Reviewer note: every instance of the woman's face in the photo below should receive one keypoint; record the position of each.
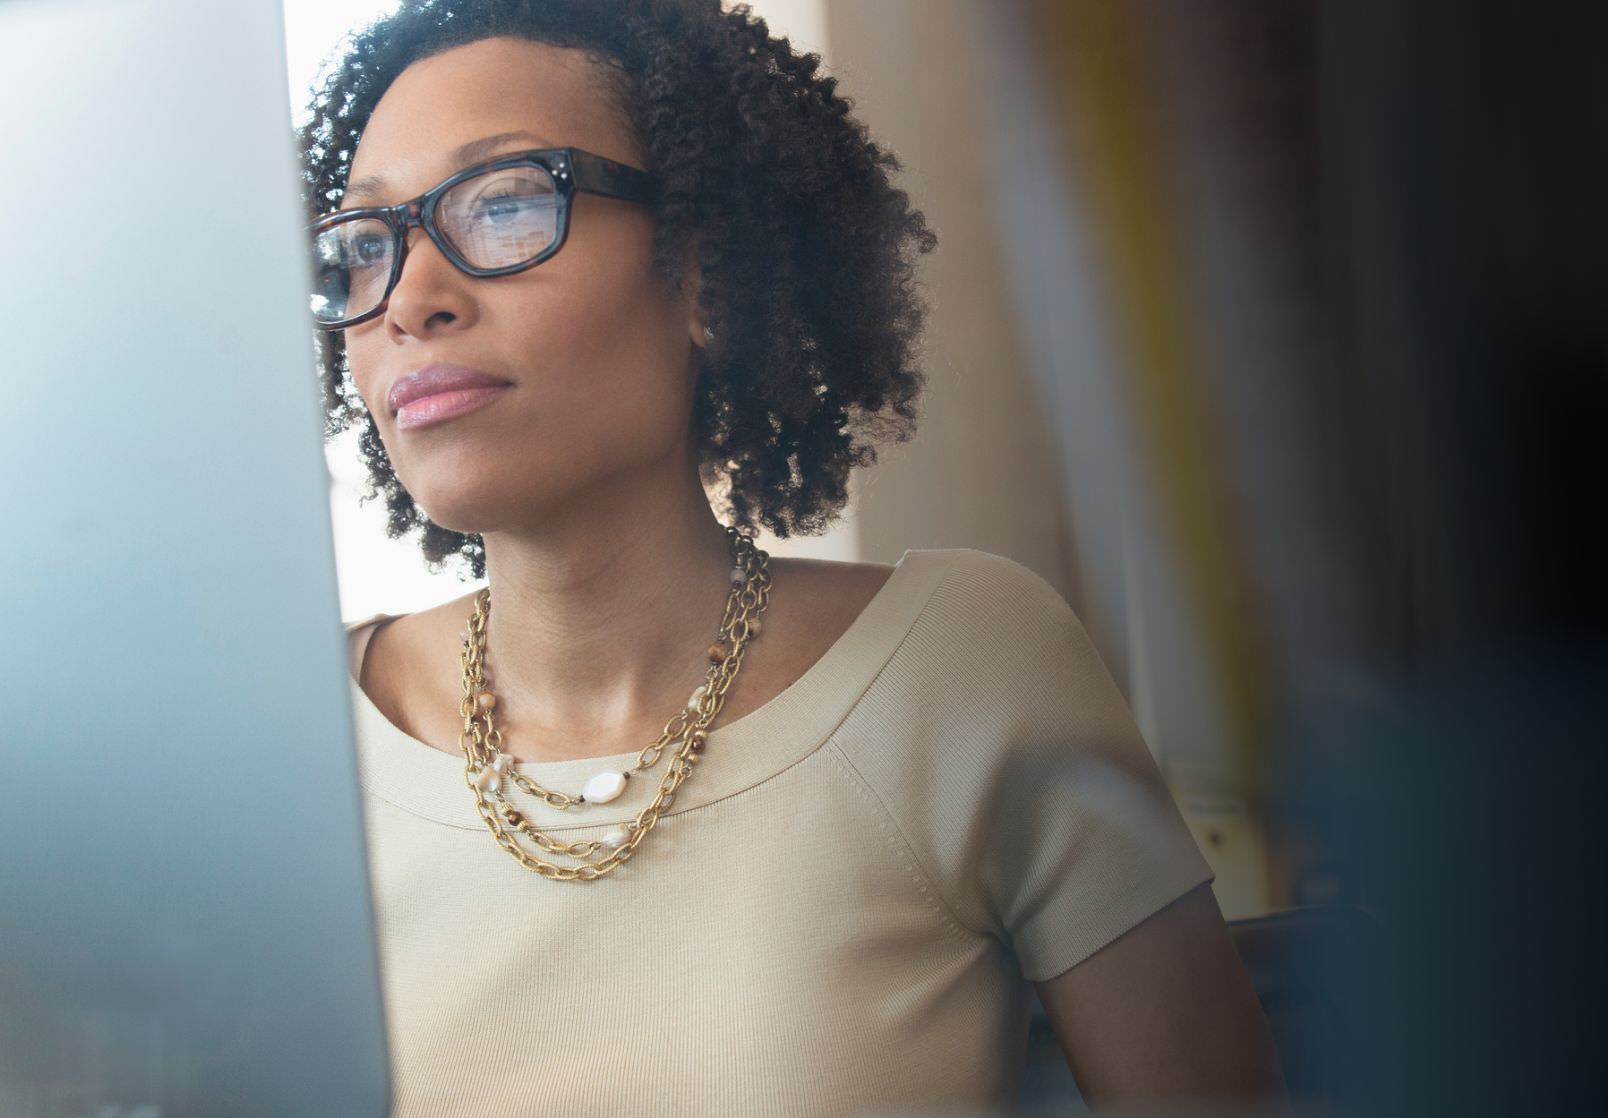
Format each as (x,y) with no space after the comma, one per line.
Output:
(596,351)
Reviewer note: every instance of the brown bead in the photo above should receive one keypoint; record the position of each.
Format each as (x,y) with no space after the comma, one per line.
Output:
(753,627)
(512,815)
(484,701)
(698,740)
(718,652)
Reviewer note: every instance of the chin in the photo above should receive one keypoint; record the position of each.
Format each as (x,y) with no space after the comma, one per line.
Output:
(459,512)
(467,501)
(485,503)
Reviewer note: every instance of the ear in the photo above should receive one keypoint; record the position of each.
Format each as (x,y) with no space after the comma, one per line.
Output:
(692,292)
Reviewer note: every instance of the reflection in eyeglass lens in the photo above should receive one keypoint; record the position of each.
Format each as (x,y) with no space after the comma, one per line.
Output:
(351,262)
(495,220)
(501,218)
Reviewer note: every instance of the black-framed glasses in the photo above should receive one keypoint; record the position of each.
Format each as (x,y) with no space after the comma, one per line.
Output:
(492,219)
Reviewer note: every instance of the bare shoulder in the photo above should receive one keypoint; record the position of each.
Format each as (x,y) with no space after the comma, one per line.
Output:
(395,641)
(826,588)
(405,662)
(814,601)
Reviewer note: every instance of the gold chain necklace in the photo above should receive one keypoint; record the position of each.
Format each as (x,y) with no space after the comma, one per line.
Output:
(488,771)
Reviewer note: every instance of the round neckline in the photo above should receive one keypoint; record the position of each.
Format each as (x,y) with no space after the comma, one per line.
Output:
(426,781)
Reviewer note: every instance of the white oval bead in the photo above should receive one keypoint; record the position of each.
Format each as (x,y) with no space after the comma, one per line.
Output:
(489,779)
(616,838)
(697,697)
(603,787)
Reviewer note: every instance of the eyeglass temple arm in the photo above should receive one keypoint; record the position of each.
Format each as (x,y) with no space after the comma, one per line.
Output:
(601,175)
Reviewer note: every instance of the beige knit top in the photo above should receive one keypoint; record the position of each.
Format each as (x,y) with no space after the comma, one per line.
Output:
(839,914)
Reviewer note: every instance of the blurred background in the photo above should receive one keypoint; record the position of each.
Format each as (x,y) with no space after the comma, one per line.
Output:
(1271,334)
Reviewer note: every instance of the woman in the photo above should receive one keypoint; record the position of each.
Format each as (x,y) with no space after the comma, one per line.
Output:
(657,823)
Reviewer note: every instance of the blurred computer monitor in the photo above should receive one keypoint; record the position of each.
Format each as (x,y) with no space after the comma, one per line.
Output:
(185,919)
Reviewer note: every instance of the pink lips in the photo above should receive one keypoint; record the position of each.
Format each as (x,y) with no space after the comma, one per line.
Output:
(439,392)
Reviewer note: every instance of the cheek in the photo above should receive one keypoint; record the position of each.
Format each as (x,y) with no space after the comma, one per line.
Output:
(363,372)
(615,356)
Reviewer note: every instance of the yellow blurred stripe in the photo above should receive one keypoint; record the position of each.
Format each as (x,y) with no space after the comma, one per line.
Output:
(1102,93)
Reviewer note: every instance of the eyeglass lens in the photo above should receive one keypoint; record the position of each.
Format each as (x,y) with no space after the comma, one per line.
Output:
(493,220)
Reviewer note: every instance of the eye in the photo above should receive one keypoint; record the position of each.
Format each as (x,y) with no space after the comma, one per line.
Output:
(369,248)
(500,209)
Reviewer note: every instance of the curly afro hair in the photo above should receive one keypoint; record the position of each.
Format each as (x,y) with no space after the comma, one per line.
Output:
(806,250)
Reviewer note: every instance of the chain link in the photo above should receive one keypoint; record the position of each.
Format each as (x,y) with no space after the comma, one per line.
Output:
(685,732)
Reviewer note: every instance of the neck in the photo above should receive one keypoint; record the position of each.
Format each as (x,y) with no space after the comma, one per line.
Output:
(601,618)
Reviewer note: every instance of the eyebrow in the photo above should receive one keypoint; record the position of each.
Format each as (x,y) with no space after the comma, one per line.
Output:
(472,152)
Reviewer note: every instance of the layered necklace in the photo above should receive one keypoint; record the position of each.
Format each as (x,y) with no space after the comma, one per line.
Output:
(491,774)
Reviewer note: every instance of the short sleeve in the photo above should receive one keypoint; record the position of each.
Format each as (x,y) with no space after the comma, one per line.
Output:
(1015,772)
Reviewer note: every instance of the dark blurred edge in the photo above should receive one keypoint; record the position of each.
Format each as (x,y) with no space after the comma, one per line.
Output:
(1468,143)
(1458,219)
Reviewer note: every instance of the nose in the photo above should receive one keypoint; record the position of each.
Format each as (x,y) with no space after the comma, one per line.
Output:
(430,291)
